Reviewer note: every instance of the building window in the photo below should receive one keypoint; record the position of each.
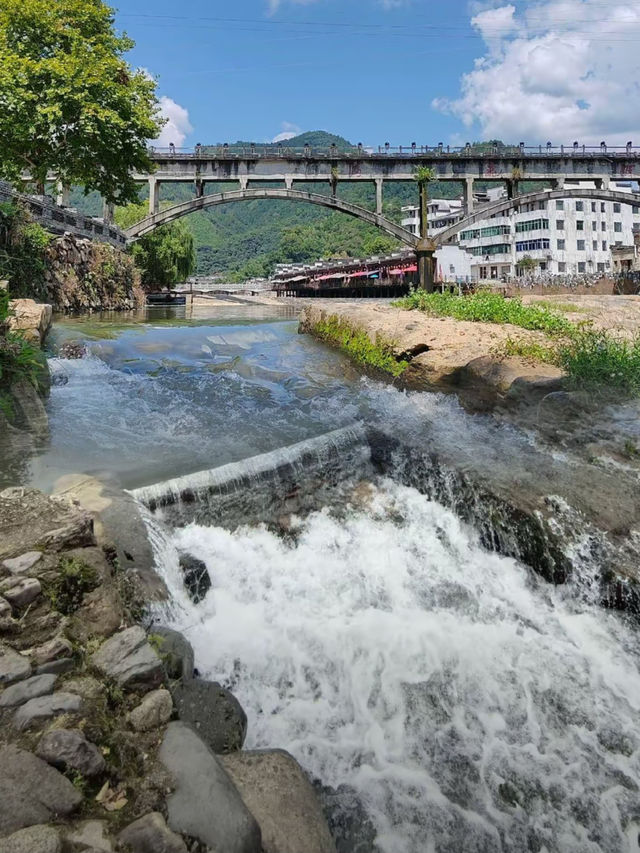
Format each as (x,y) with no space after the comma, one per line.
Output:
(603,226)
(602,207)
(559,205)
(543,266)
(560,245)
(532,225)
(562,267)
(595,245)
(616,207)
(600,267)
(594,226)
(580,245)
(580,224)
(604,245)
(579,205)
(581,266)
(531,245)
(559,224)
(617,226)
(593,207)
(636,209)
(483,272)
(542,205)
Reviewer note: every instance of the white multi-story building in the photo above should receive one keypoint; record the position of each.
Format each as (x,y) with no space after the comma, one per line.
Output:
(556,237)
(441,213)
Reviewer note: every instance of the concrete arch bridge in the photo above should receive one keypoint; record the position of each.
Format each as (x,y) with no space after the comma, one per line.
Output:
(423,246)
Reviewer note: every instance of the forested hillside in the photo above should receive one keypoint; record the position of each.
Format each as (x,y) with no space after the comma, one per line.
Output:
(247,239)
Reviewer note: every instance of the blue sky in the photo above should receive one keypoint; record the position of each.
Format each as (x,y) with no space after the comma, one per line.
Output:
(392,70)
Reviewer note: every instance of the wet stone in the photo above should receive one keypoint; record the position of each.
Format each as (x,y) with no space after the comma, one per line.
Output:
(213,711)
(177,653)
(19,565)
(33,839)
(196,577)
(20,592)
(128,658)
(70,750)
(43,708)
(31,688)
(13,667)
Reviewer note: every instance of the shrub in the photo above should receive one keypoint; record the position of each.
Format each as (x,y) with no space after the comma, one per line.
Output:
(357,343)
(22,252)
(75,578)
(598,361)
(19,359)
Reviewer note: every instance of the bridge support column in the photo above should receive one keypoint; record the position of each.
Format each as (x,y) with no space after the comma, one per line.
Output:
(603,183)
(379,183)
(107,212)
(512,189)
(288,182)
(244,181)
(425,254)
(467,191)
(154,196)
(199,188)
(62,194)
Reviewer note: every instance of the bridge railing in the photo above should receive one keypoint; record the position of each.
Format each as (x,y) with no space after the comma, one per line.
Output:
(226,150)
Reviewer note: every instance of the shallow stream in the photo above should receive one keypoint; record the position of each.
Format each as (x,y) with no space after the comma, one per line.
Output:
(465,704)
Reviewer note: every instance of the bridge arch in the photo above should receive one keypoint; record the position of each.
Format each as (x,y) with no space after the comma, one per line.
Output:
(507,204)
(169,214)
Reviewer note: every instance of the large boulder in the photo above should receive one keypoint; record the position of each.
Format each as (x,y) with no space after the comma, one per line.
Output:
(214,713)
(129,659)
(205,803)
(31,792)
(176,653)
(31,318)
(278,794)
(196,577)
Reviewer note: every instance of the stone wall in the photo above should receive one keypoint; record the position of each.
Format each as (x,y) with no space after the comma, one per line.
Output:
(83,275)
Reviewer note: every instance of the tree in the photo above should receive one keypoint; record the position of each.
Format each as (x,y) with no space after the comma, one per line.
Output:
(166,256)
(70,106)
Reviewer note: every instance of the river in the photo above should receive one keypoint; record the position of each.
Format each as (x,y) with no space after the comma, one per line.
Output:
(466,705)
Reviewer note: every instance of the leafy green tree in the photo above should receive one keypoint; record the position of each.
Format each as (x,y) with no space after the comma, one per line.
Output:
(69,103)
(166,256)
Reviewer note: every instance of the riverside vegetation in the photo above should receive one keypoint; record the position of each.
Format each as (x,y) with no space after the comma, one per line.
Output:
(19,360)
(595,360)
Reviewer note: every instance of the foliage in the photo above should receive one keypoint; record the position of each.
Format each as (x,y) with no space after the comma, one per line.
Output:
(166,256)
(357,344)
(530,350)
(22,252)
(70,104)
(597,360)
(19,359)
(74,579)
(424,175)
(487,307)
(527,263)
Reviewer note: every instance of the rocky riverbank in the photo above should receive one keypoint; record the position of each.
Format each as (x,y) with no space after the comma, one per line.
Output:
(109,739)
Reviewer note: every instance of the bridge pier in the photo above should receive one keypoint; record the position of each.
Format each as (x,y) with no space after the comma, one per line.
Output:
(199,187)
(425,254)
(379,183)
(154,196)
(62,194)
(467,192)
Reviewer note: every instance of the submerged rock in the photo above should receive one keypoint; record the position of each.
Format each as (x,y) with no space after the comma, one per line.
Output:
(214,713)
(72,349)
(350,825)
(278,794)
(196,577)
(205,803)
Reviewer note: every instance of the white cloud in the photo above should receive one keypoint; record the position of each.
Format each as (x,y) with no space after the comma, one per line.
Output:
(560,70)
(178,125)
(288,130)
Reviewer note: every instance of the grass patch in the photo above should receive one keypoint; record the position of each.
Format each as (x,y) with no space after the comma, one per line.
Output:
(565,307)
(485,307)
(530,350)
(601,362)
(75,578)
(357,344)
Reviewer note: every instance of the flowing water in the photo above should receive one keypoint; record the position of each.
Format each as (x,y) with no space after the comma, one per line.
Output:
(466,704)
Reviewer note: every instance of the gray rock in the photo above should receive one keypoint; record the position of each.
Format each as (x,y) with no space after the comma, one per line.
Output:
(31,792)
(351,827)
(176,652)
(21,564)
(5,608)
(150,834)
(278,794)
(69,749)
(57,667)
(45,707)
(92,834)
(155,710)
(18,694)
(58,647)
(13,667)
(86,686)
(33,839)
(214,712)
(20,592)
(205,804)
(196,577)
(128,658)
